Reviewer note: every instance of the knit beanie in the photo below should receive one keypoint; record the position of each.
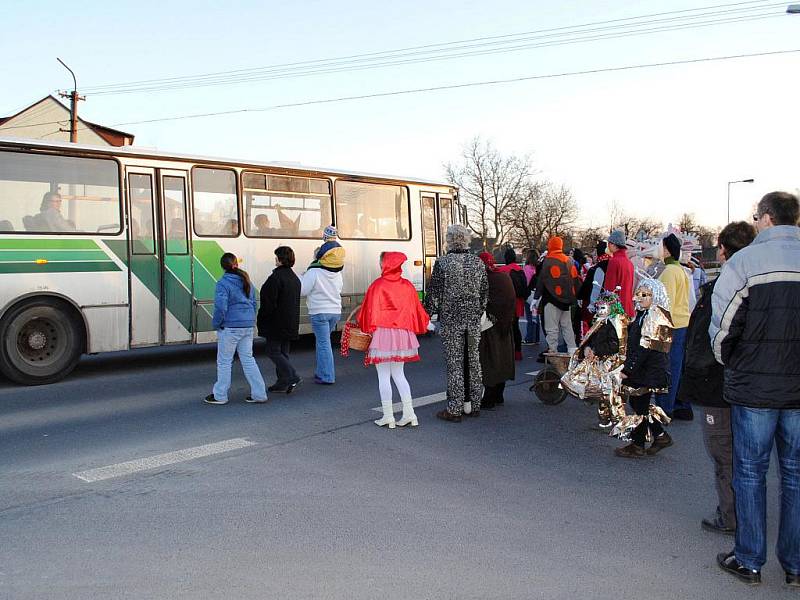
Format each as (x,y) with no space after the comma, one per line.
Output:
(330,233)
(673,246)
(617,238)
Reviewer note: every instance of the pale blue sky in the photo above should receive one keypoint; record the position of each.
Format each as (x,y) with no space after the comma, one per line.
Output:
(659,141)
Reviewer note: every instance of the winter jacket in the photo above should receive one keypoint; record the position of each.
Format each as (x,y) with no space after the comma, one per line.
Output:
(619,273)
(458,290)
(231,307)
(678,286)
(755,322)
(701,379)
(323,291)
(519,305)
(279,313)
(644,368)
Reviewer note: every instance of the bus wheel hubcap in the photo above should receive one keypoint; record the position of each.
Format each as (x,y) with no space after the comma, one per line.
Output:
(37,340)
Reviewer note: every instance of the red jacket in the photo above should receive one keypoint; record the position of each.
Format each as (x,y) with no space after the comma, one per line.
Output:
(620,274)
(391,301)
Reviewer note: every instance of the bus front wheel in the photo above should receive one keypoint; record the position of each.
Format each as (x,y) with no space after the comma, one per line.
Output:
(41,341)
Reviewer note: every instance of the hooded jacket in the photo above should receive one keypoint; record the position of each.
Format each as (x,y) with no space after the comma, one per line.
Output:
(558,278)
(391,300)
(231,307)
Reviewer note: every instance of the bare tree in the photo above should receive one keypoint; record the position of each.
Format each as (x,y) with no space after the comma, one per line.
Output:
(687,223)
(490,185)
(542,211)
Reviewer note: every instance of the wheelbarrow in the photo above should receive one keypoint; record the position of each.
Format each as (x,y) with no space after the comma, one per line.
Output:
(547,382)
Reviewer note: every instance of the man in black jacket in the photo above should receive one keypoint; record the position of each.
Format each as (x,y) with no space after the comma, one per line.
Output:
(279,318)
(701,385)
(755,333)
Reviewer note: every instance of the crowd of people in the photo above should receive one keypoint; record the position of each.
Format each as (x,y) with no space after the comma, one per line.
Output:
(656,342)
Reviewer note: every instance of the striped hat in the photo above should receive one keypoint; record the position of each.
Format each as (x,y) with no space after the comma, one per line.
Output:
(330,233)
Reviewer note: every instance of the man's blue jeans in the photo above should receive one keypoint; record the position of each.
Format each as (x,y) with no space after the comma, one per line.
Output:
(755,430)
(676,352)
(230,341)
(323,325)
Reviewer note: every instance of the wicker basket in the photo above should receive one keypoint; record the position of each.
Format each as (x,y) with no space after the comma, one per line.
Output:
(358,340)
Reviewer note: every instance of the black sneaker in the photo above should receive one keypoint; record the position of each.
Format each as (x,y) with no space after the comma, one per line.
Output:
(277,388)
(717,525)
(728,563)
(251,400)
(792,580)
(211,400)
(661,442)
(292,386)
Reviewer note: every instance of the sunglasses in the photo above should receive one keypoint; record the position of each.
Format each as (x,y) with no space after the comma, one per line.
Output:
(643,295)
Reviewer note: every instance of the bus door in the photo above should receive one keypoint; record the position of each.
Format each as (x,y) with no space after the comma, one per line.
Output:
(176,273)
(430,235)
(160,257)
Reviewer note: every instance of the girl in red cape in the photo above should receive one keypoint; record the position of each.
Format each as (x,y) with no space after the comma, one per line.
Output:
(393,314)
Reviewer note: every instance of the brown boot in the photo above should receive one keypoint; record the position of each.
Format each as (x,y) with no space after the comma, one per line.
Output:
(446,415)
(661,442)
(630,451)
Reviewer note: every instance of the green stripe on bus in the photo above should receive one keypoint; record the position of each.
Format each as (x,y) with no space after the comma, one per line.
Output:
(206,268)
(59,267)
(51,255)
(47,244)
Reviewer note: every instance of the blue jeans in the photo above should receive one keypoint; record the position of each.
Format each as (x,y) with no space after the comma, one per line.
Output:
(676,352)
(230,341)
(755,430)
(323,325)
(532,328)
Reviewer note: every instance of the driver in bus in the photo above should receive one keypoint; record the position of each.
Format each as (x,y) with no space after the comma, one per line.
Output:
(50,217)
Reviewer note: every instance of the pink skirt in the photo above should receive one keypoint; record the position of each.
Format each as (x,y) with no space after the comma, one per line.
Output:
(392,345)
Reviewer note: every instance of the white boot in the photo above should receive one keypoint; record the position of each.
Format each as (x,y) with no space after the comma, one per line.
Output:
(388,415)
(408,418)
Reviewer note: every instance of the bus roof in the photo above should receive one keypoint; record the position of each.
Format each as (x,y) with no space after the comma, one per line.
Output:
(142,152)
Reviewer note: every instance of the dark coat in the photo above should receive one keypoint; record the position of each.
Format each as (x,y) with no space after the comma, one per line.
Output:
(604,342)
(497,343)
(644,368)
(702,378)
(279,313)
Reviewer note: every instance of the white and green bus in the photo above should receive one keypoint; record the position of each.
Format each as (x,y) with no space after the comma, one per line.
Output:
(108,248)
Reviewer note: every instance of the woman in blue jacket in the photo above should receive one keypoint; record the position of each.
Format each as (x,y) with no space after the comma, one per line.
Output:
(234,318)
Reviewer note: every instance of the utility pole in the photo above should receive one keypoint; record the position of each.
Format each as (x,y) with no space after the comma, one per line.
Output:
(73,110)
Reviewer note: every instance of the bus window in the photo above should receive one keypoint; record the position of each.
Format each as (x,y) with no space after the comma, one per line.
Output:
(445,215)
(372,211)
(285,207)
(174,216)
(429,224)
(58,194)
(140,190)
(216,211)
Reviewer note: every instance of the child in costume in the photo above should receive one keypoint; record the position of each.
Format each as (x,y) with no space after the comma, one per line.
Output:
(646,371)
(594,369)
(393,314)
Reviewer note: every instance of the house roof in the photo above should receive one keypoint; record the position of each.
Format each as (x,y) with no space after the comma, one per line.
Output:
(107,133)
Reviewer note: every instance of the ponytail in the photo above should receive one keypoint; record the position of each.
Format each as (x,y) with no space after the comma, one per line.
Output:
(229,264)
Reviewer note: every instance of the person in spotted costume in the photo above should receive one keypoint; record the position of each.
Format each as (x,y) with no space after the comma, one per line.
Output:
(557,289)
(458,293)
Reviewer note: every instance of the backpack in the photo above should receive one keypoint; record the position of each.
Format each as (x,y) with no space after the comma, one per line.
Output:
(520,284)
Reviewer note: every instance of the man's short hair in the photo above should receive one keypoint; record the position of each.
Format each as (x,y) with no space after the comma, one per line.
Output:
(782,207)
(735,236)
(285,256)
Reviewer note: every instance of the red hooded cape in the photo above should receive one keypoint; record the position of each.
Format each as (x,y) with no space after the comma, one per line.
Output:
(391,301)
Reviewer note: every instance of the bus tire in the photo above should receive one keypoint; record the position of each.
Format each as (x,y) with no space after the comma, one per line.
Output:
(41,341)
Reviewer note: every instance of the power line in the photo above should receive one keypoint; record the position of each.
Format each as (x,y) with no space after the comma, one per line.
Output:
(435,51)
(462,85)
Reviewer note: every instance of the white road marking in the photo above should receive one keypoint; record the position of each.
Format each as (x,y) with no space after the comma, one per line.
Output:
(160,460)
(417,402)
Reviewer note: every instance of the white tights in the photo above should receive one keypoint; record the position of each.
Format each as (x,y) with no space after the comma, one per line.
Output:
(388,371)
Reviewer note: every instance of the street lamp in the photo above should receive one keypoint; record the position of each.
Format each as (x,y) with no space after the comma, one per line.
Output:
(729,194)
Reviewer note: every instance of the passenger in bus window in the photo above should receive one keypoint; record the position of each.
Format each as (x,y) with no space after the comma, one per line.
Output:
(6,225)
(231,228)
(262,228)
(50,217)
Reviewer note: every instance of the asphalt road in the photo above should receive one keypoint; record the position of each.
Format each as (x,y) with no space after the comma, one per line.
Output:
(526,501)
